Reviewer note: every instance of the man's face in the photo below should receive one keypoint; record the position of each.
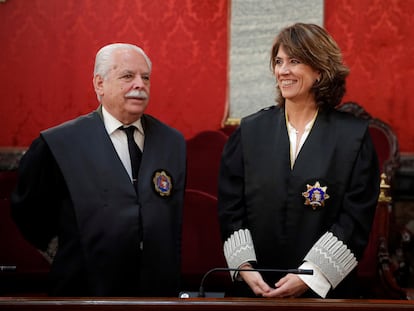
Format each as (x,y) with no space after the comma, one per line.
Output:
(125,90)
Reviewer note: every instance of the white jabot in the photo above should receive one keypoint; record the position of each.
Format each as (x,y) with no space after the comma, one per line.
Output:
(119,139)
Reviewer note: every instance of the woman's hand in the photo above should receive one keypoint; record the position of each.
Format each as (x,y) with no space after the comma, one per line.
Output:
(289,286)
(254,280)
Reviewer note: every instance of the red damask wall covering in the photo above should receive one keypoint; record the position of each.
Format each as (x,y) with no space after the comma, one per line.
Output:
(376,38)
(48,48)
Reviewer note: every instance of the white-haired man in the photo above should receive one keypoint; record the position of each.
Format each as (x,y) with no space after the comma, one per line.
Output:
(115,211)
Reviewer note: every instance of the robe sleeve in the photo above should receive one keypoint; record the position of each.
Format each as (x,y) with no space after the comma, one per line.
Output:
(231,209)
(238,244)
(35,201)
(337,251)
(354,222)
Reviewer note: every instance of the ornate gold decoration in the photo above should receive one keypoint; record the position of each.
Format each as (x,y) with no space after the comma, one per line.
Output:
(162,183)
(232,122)
(315,195)
(384,188)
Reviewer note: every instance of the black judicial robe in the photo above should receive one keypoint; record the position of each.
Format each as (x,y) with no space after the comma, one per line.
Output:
(73,185)
(258,189)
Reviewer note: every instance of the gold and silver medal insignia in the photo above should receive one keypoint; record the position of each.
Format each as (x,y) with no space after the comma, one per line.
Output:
(162,183)
(315,195)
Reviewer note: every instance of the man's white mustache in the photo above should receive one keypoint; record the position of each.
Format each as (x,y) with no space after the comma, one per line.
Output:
(137,94)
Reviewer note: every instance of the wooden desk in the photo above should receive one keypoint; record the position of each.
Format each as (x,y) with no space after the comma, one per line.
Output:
(216,304)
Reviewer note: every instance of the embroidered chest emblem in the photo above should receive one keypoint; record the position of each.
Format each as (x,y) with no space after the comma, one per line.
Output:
(315,195)
(162,183)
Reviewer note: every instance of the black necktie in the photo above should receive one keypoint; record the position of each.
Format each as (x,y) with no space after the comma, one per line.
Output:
(135,153)
(135,156)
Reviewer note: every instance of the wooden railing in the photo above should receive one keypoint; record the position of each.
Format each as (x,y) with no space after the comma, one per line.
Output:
(216,304)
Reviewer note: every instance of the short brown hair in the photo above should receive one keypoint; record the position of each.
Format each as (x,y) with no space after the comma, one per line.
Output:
(312,45)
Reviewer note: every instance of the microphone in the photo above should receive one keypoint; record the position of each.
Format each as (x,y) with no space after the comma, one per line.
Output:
(7,268)
(202,293)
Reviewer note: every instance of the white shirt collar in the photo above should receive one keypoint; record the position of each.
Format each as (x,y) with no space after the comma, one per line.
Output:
(112,124)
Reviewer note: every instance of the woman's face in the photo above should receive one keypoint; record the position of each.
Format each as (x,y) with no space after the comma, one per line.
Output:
(295,79)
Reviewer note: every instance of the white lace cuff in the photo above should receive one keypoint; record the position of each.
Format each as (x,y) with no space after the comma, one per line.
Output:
(239,249)
(333,258)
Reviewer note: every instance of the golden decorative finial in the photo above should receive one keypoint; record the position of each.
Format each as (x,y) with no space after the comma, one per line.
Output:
(232,122)
(384,187)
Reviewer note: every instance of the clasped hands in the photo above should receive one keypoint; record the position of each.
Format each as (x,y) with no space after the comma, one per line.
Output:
(289,286)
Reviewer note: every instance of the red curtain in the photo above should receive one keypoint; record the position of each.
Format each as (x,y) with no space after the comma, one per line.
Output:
(376,38)
(48,49)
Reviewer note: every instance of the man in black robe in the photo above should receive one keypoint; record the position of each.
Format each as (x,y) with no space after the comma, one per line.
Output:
(118,229)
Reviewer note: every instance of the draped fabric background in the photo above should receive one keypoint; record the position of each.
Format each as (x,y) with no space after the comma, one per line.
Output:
(252,28)
(48,48)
